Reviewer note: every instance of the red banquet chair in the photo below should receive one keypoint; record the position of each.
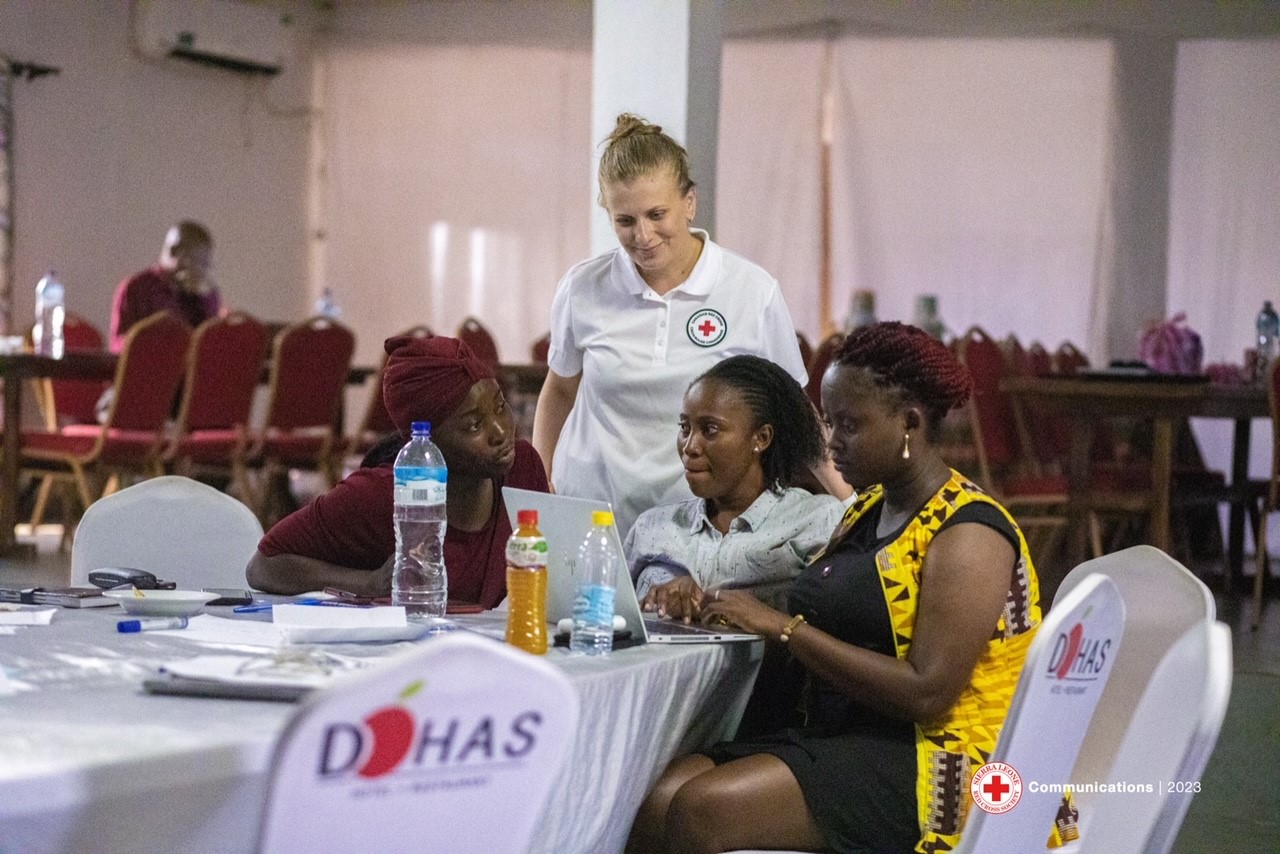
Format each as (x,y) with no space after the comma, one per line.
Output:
(309,367)
(223,368)
(376,423)
(538,352)
(131,439)
(818,365)
(479,340)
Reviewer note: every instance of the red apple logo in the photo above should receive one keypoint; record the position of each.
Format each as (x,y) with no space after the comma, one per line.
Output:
(1073,647)
(392,729)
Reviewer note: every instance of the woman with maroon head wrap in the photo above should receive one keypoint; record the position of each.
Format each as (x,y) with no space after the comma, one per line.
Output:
(345,538)
(902,641)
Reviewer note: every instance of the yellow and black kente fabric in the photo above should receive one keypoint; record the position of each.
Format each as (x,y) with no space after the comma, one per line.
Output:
(950,751)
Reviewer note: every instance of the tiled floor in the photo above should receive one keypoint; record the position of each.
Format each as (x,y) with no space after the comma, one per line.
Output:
(1238,808)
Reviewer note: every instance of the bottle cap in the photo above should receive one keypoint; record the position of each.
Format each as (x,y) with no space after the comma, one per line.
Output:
(420,427)
(601,517)
(527,517)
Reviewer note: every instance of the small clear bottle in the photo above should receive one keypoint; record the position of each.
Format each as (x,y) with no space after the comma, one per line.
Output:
(527,585)
(862,310)
(599,561)
(1268,329)
(327,306)
(419,581)
(46,336)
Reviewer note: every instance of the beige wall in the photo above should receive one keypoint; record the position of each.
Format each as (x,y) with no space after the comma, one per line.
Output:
(116,147)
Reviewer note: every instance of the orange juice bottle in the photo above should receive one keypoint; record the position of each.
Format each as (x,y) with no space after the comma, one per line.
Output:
(527,585)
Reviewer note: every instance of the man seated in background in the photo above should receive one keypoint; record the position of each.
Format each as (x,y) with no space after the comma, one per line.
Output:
(178,283)
(346,537)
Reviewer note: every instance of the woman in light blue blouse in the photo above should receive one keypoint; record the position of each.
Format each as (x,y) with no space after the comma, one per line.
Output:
(747,431)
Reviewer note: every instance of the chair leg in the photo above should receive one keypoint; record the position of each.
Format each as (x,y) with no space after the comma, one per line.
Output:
(1095,533)
(42,501)
(1261,573)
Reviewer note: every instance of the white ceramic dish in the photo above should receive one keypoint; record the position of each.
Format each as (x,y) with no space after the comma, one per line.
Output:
(161,603)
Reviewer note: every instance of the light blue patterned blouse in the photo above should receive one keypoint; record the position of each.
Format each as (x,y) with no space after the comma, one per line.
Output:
(764,549)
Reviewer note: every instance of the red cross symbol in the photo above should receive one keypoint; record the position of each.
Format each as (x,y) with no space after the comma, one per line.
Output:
(996,788)
(707,328)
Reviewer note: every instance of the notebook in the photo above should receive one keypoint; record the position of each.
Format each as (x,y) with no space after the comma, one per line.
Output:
(565,522)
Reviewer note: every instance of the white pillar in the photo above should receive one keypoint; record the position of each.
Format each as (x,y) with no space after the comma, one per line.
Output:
(659,59)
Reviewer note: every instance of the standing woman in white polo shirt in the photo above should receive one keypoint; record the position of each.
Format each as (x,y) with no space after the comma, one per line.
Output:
(631,329)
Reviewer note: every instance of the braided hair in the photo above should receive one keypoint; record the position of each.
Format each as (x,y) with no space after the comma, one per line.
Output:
(907,360)
(637,147)
(775,398)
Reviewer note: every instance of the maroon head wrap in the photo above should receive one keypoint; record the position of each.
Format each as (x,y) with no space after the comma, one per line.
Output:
(426,379)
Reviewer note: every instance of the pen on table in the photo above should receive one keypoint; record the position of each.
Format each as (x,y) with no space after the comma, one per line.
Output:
(267,606)
(151,625)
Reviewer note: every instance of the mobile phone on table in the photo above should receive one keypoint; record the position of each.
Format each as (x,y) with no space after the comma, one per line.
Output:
(346,597)
(230,596)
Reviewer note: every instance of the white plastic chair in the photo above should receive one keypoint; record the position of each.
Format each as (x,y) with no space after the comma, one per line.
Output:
(174,527)
(1167,745)
(1050,712)
(453,747)
(1163,600)
(1045,724)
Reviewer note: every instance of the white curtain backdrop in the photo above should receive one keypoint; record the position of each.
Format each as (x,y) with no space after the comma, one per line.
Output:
(975,170)
(1224,224)
(450,181)
(769,165)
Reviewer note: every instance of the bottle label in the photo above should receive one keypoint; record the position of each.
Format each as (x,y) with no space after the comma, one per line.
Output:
(594,605)
(419,493)
(527,552)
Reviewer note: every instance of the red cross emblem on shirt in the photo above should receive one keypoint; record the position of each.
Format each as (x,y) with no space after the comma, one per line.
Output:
(996,788)
(707,327)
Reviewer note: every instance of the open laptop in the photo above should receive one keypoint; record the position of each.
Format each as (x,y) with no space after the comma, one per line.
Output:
(565,522)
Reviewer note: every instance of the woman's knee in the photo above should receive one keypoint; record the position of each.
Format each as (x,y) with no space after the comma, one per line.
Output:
(695,816)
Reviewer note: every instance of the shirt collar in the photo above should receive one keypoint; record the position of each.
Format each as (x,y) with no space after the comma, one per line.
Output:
(701,279)
(751,518)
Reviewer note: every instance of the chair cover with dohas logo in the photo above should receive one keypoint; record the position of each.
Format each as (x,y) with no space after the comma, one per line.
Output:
(1163,601)
(1018,796)
(453,747)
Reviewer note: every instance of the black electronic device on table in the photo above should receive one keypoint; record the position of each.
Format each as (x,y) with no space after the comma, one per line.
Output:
(126,576)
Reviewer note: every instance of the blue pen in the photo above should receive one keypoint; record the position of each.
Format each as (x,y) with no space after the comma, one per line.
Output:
(151,625)
(267,606)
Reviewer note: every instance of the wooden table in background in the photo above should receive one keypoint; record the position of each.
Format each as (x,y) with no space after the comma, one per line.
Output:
(1165,403)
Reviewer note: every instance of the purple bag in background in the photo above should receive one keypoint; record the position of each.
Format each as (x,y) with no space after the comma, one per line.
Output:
(1172,347)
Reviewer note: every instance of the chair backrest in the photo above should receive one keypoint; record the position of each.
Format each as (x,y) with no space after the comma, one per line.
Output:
(806,349)
(454,747)
(538,352)
(1068,666)
(223,368)
(1069,358)
(75,401)
(1039,360)
(818,364)
(309,366)
(152,362)
(479,340)
(377,421)
(991,412)
(1273,396)
(1167,745)
(176,528)
(1163,600)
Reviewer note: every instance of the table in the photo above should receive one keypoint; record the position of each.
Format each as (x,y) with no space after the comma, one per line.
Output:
(1165,401)
(15,368)
(90,763)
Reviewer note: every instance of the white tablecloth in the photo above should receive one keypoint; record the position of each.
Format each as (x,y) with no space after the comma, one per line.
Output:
(88,762)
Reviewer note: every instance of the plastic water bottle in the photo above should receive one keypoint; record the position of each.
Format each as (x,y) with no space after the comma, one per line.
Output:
(527,585)
(1268,325)
(327,306)
(599,561)
(50,312)
(418,581)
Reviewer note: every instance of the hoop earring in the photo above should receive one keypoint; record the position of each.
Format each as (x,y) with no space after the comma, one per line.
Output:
(906,446)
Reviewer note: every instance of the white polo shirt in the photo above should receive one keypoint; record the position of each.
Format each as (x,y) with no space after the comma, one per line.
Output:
(637,353)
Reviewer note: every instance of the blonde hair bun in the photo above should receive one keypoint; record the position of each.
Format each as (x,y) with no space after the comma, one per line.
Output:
(638,147)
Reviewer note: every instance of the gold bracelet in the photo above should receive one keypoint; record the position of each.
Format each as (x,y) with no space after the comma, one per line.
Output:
(785,637)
